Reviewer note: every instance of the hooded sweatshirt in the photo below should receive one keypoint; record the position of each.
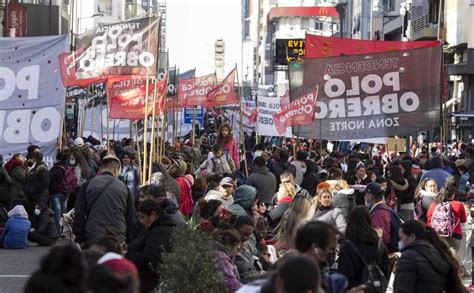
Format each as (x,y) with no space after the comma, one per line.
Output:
(243,199)
(216,194)
(344,199)
(16,228)
(265,183)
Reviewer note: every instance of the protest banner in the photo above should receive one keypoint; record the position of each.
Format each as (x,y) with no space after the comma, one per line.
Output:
(192,92)
(124,48)
(32,94)
(299,112)
(380,95)
(319,46)
(223,93)
(266,108)
(127,97)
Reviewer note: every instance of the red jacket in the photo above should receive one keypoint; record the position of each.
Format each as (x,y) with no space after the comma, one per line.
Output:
(186,201)
(459,215)
(233,152)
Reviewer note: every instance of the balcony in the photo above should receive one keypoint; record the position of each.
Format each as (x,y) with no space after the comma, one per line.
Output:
(422,30)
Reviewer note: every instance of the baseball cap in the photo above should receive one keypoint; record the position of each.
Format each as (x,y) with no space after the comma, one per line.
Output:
(226,181)
(374,188)
(79,141)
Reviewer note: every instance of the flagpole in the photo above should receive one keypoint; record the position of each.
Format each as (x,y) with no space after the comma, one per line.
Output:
(113,129)
(241,125)
(101,123)
(256,128)
(314,122)
(145,131)
(193,134)
(108,118)
(137,142)
(83,118)
(152,147)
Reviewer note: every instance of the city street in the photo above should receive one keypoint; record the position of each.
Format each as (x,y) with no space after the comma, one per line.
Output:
(17,265)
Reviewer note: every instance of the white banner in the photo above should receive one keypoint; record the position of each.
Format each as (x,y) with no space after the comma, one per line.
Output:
(32,94)
(267,106)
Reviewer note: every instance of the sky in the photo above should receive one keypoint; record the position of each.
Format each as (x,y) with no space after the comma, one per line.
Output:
(194,25)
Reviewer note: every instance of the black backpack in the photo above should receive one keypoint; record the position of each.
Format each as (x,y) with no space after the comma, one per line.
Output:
(372,275)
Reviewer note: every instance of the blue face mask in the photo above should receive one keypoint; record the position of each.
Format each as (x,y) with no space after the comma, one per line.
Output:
(401,245)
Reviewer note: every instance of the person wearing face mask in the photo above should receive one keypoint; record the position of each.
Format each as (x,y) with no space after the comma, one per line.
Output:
(300,166)
(145,251)
(318,240)
(104,202)
(226,248)
(37,184)
(426,264)
(45,233)
(384,219)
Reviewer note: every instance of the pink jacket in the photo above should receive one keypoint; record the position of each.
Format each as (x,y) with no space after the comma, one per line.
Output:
(233,151)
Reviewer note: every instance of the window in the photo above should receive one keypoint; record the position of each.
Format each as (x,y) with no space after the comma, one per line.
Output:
(318,25)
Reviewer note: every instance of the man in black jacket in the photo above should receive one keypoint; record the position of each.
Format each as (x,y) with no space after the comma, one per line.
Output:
(104,202)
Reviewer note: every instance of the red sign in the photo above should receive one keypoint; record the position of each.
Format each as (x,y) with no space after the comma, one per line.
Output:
(192,92)
(16,19)
(127,97)
(298,112)
(318,46)
(223,94)
(68,72)
(174,104)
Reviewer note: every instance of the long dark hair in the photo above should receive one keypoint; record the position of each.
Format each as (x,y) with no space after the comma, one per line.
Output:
(359,226)
(423,232)
(220,138)
(81,162)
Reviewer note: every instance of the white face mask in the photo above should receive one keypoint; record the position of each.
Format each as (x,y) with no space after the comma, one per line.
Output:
(37,212)
(303,171)
(72,162)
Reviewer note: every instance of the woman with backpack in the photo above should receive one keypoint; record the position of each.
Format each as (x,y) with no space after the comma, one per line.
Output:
(425,194)
(362,246)
(446,215)
(81,169)
(426,264)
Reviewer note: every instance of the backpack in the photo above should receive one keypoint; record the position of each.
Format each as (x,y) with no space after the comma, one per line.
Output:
(372,275)
(395,223)
(69,183)
(443,221)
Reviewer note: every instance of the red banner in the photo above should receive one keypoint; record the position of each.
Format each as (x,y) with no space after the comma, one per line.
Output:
(68,72)
(127,97)
(192,92)
(298,112)
(318,46)
(16,19)
(223,94)
(174,104)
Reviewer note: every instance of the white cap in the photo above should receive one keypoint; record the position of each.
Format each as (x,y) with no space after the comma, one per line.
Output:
(79,141)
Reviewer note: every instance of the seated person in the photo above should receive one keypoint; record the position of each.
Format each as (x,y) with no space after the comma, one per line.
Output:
(46,232)
(16,229)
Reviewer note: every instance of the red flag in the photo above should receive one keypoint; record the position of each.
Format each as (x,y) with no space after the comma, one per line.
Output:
(319,46)
(285,99)
(298,112)
(174,104)
(68,72)
(127,97)
(223,94)
(192,92)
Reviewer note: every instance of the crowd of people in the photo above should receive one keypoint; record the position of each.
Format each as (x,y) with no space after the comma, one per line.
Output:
(281,217)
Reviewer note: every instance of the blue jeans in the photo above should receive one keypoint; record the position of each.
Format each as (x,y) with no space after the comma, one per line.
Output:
(59,206)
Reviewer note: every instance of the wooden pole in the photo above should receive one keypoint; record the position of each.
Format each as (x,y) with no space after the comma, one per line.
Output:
(101,123)
(241,126)
(138,145)
(193,133)
(145,132)
(113,130)
(152,131)
(108,120)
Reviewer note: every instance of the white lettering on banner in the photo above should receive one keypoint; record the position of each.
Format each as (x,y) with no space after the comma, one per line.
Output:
(103,51)
(18,124)
(361,66)
(370,105)
(26,79)
(360,124)
(266,107)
